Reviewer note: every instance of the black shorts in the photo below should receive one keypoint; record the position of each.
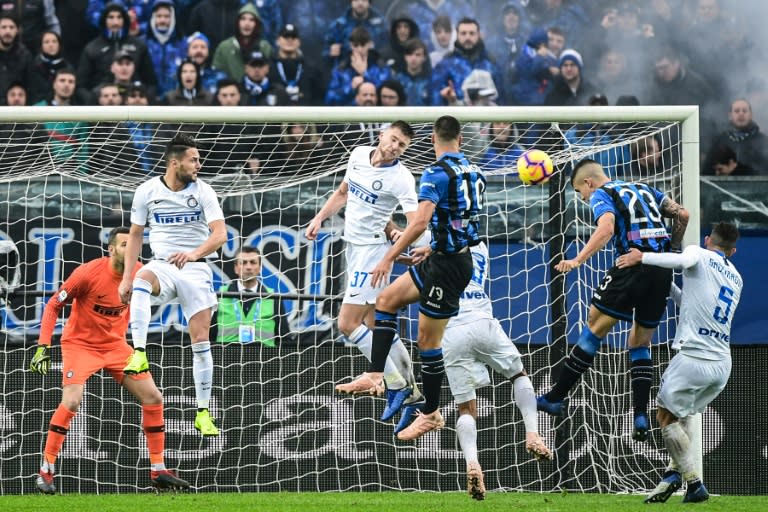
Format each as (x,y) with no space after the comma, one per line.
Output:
(643,289)
(441,279)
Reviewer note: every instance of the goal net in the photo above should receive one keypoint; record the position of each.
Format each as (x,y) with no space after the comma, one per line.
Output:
(67,177)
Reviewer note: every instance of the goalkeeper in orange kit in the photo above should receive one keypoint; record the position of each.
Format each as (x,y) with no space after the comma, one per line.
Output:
(94,339)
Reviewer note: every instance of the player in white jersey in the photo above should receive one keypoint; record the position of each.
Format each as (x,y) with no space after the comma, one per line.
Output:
(473,340)
(700,371)
(375,183)
(186,225)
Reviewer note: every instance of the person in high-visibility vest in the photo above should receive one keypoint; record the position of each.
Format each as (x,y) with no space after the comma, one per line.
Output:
(249,319)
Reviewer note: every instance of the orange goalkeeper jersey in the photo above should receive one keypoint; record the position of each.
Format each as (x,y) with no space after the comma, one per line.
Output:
(98,319)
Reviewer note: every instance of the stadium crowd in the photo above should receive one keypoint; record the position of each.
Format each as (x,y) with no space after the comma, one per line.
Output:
(399,52)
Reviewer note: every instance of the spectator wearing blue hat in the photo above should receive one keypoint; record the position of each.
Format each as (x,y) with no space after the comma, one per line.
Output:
(570,88)
(199,52)
(535,69)
(166,48)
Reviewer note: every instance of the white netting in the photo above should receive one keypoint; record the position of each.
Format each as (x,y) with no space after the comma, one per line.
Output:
(65,183)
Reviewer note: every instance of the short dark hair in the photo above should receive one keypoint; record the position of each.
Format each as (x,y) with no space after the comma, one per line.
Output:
(359,36)
(556,30)
(466,20)
(179,145)
(66,70)
(246,249)
(443,22)
(725,235)
(413,44)
(579,165)
(404,128)
(120,230)
(396,86)
(447,128)
(226,82)
(9,16)
(723,155)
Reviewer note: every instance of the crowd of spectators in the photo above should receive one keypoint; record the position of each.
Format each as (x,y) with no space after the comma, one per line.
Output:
(397,52)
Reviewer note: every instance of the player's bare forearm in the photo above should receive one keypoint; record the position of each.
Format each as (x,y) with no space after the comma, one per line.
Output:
(331,207)
(133,249)
(215,240)
(679,215)
(597,241)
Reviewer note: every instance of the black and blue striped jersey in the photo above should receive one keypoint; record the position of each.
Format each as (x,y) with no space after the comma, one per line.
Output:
(637,209)
(457,188)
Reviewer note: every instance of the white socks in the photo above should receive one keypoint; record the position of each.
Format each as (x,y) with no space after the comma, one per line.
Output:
(362,337)
(202,371)
(141,312)
(525,400)
(679,446)
(466,431)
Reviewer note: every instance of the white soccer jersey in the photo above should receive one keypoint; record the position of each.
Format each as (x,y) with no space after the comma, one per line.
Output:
(474,302)
(711,292)
(374,193)
(178,221)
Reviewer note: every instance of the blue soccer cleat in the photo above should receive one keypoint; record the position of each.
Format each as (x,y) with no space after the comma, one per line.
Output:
(669,484)
(409,414)
(696,494)
(395,400)
(551,408)
(640,431)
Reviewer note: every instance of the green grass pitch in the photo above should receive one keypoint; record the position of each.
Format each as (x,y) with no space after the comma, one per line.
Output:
(369,502)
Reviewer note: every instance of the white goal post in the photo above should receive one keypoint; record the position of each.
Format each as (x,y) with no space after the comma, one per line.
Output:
(67,176)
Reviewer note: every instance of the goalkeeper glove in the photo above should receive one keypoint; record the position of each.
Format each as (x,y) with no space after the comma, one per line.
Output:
(41,361)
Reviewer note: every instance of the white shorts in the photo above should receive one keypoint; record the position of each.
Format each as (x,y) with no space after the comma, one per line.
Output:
(190,286)
(360,261)
(689,384)
(468,348)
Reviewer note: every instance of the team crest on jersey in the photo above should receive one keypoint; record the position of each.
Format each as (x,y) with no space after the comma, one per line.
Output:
(376,185)
(192,202)
(363,193)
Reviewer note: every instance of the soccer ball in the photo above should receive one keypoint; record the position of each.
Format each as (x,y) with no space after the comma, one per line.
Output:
(534,167)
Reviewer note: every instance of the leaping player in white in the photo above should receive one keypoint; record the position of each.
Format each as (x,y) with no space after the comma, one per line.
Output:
(472,340)
(700,371)
(186,225)
(374,184)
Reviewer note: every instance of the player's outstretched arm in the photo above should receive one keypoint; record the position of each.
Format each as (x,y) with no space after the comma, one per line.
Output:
(414,231)
(679,216)
(597,241)
(132,251)
(334,203)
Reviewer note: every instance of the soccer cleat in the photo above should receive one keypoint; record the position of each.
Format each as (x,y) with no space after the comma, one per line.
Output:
(364,384)
(696,494)
(44,482)
(137,363)
(166,479)
(475,484)
(640,431)
(205,424)
(395,400)
(410,411)
(669,484)
(422,424)
(536,447)
(551,408)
